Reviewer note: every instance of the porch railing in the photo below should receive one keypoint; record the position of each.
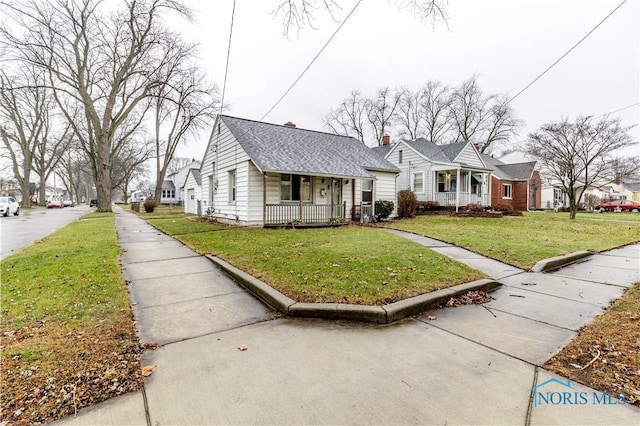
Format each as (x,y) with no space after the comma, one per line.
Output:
(282,214)
(449,199)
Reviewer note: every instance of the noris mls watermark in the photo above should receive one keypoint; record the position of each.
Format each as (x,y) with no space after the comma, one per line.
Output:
(557,392)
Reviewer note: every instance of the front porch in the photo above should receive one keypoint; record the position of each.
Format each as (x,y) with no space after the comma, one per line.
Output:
(304,214)
(460,187)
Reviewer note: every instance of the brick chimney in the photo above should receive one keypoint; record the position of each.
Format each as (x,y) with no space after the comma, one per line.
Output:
(386,139)
(290,124)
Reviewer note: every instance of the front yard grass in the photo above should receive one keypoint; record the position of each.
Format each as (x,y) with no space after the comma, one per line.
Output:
(349,264)
(524,240)
(614,338)
(68,338)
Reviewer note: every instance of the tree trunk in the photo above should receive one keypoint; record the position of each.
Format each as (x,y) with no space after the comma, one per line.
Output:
(42,196)
(573,207)
(103,175)
(26,194)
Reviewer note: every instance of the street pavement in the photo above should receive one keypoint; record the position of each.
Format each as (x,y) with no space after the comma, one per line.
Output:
(226,358)
(17,232)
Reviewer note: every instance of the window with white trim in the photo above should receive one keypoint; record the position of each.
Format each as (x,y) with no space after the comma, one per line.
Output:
(211,189)
(418,182)
(506,190)
(367,191)
(295,188)
(232,186)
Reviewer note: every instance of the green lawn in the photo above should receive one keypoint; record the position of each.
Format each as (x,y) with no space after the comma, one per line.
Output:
(66,324)
(524,240)
(182,224)
(343,265)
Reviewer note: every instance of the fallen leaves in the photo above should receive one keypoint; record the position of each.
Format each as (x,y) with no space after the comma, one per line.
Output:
(148,370)
(476,297)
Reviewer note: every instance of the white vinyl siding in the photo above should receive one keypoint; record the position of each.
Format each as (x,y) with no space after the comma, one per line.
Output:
(192,188)
(385,188)
(470,157)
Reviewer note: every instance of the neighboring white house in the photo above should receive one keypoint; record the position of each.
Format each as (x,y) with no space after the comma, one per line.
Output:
(256,173)
(174,193)
(452,175)
(193,192)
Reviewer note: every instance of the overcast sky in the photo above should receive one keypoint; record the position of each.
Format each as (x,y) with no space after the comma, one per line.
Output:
(507,43)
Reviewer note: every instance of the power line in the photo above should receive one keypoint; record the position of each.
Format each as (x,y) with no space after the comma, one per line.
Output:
(619,109)
(226,67)
(567,52)
(312,61)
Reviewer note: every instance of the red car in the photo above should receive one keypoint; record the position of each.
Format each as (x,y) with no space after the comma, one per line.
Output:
(55,204)
(619,205)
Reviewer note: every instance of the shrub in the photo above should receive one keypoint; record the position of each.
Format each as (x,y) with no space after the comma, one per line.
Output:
(150,206)
(383,209)
(407,203)
(473,207)
(499,207)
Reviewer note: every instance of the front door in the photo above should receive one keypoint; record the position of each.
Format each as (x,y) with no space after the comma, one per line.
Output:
(336,201)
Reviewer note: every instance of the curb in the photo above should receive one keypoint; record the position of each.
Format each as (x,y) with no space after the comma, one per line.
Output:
(384,314)
(559,261)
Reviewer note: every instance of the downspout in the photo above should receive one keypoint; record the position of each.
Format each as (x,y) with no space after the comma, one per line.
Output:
(457,188)
(331,195)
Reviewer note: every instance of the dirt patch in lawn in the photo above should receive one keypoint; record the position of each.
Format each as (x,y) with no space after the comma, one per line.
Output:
(606,353)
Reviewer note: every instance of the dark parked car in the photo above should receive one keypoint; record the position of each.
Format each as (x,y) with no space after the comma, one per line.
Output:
(622,205)
(93,203)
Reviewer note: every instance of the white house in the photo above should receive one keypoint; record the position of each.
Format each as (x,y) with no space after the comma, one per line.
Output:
(193,192)
(173,187)
(452,175)
(262,174)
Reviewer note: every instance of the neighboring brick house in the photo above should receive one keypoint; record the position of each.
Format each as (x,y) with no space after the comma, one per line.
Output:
(515,185)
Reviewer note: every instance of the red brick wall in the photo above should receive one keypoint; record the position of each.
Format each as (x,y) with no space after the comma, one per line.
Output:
(535,182)
(496,192)
(519,191)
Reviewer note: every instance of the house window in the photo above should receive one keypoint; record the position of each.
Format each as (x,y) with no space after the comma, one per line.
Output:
(506,190)
(232,186)
(367,191)
(464,182)
(400,157)
(418,183)
(168,193)
(295,188)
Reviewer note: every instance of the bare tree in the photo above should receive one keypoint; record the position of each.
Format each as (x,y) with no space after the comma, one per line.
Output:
(72,167)
(349,119)
(181,107)
(423,113)
(33,138)
(481,119)
(100,63)
(130,163)
(577,154)
(381,111)
(299,14)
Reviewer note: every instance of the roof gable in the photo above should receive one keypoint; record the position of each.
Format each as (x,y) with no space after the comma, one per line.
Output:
(282,149)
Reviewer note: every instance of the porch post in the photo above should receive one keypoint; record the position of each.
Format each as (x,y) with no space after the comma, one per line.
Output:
(457,188)
(331,195)
(264,200)
(300,197)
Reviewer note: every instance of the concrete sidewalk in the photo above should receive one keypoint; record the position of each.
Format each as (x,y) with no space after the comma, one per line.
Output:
(472,365)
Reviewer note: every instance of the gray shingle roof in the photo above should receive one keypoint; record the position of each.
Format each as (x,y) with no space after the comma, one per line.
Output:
(452,150)
(275,148)
(167,184)
(632,186)
(196,176)
(503,171)
(429,149)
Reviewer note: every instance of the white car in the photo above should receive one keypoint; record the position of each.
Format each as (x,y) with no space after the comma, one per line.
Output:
(9,205)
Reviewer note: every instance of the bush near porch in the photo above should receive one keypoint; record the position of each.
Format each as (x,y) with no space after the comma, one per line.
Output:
(524,240)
